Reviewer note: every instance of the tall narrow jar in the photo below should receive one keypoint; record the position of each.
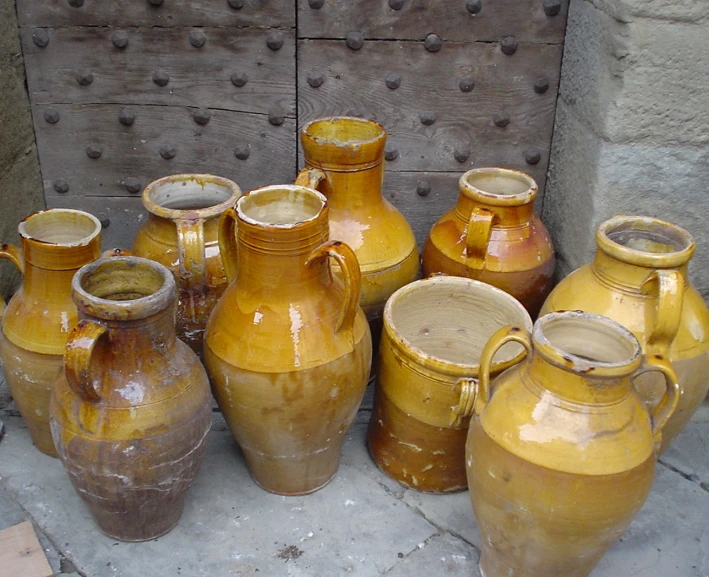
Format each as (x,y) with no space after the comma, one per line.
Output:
(287,347)
(131,418)
(41,314)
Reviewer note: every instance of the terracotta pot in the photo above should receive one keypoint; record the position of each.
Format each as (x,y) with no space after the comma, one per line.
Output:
(41,314)
(561,451)
(131,418)
(287,347)
(434,331)
(344,159)
(639,279)
(493,235)
(182,233)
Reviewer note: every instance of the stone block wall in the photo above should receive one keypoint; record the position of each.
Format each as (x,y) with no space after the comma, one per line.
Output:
(632,126)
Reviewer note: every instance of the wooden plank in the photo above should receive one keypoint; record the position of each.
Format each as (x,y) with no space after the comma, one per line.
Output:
(275,13)
(134,151)
(355,82)
(21,554)
(524,19)
(197,76)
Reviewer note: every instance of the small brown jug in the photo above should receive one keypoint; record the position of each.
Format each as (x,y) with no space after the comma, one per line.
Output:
(131,418)
(181,233)
(41,314)
(561,450)
(493,235)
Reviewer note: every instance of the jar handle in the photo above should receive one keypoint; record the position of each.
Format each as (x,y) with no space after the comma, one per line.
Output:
(670,294)
(190,251)
(477,236)
(311,178)
(351,275)
(227,242)
(667,405)
(475,396)
(13,254)
(77,359)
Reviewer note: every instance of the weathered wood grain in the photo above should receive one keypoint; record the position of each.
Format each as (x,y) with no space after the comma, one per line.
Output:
(450,19)
(198,76)
(21,554)
(134,151)
(276,13)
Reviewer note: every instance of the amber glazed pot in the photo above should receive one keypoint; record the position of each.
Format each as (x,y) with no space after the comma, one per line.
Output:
(639,279)
(344,159)
(288,347)
(561,450)
(182,233)
(434,332)
(41,314)
(493,235)
(130,419)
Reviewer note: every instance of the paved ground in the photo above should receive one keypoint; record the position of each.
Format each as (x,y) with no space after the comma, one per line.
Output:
(362,524)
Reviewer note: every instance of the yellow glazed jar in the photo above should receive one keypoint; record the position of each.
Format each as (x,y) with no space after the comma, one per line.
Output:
(182,233)
(638,278)
(40,315)
(287,347)
(561,450)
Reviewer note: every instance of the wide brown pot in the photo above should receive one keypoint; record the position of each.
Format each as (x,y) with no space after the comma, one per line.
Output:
(131,418)
(434,331)
(41,314)
(638,278)
(493,235)
(561,450)
(288,347)
(182,233)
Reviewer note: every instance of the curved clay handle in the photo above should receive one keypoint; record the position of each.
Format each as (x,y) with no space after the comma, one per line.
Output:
(190,251)
(477,236)
(667,405)
(227,242)
(351,274)
(13,254)
(466,402)
(311,178)
(77,359)
(670,294)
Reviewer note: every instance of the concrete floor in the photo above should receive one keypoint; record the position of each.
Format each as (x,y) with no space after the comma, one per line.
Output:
(362,524)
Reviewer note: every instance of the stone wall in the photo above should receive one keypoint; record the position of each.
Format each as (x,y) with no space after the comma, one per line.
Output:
(632,127)
(20,182)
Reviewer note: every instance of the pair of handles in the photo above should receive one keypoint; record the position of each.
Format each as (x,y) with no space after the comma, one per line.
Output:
(475,395)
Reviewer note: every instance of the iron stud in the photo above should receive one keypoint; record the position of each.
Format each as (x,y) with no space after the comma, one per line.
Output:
(466,83)
(274,40)
(119,39)
(201,116)
(433,42)
(427,117)
(551,7)
(316,4)
(462,154)
(242,151)
(393,81)
(541,85)
(501,118)
(276,115)
(126,116)
(84,77)
(532,156)
(239,79)
(132,185)
(161,78)
(396,4)
(40,37)
(94,151)
(391,152)
(509,45)
(197,38)
(51,115)
(61,186)
(474,6)
(167,151)
(315,79)
(423,188)
(236,4)
(354,39)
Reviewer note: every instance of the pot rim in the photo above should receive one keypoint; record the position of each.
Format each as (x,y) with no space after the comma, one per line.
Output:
(344,143)
(22,227)
(295,188)
(494,199)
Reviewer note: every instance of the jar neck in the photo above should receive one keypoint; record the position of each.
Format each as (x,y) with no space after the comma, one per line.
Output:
(353,188)
(508,216)
(624,275)
(156,332)
(47,286)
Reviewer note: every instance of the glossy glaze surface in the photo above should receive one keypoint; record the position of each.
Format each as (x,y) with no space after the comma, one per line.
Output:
(41,314)
(434,331)
(639,278)
(288,347)
(493,235)
(561,450)
(131,417)
(182,233)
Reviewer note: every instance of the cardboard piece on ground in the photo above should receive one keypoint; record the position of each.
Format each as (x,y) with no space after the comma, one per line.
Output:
(21,554)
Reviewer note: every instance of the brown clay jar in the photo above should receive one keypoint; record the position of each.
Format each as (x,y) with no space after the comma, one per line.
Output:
(493,235)
(131,417)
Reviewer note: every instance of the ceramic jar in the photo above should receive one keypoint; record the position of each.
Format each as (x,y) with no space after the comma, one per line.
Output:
(638,277)
(493,235)
(131,418)
(181,233)
(344,159)
(287,347)
(434,332)
(561,450)
(40,315)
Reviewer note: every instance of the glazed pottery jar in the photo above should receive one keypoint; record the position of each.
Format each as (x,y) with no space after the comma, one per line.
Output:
(41,314)
(561,450)
(639,279)
(434,331)
(130,419)
(344,159)
(181,233)
(493,235)
(287,347)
